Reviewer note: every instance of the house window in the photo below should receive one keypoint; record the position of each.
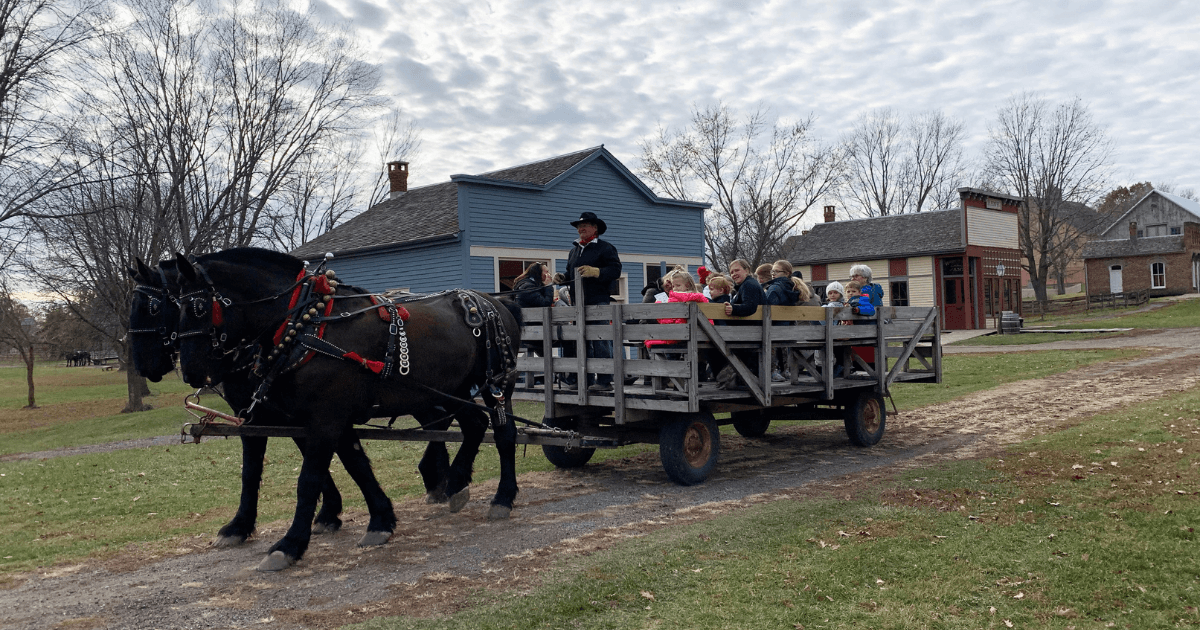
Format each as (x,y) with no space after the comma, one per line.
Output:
(1156,230)
(900,293)
(510,268)
(1176,230)
(654,271)
(1158,275)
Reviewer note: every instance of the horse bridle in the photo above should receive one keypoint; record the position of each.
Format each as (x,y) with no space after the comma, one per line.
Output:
(157,296)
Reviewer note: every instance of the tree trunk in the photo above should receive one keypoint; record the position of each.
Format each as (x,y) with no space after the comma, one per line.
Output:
(29,378)
(137,385)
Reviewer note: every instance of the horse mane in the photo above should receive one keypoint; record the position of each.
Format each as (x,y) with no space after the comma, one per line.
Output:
(255,257)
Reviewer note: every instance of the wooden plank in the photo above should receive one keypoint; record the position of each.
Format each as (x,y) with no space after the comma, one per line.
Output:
(902,360)
(880,353)
(827,357)
(618,366)
(766,357)
(581,383)
(693,381)
(778,313)
(715,337)
(547,362)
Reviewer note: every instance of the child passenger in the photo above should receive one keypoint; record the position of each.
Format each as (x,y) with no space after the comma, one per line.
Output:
(683,289)
(859,304)
(719,288)
(834,293)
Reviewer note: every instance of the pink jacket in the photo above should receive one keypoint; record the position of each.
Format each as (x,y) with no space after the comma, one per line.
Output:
(676,296)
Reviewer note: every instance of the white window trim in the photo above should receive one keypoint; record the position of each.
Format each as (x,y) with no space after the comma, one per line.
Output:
(556,255)
(1163,274)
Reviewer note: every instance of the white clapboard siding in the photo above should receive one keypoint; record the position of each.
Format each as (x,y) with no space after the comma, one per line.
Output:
(988,228)
(920,291)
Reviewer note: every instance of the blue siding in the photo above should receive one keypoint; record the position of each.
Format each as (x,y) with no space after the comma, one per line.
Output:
(512,217)
(483,274)
(424,270)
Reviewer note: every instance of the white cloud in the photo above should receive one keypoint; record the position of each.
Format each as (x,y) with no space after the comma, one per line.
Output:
(507,81)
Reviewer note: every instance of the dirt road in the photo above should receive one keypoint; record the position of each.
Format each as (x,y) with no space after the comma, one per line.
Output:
(435,556)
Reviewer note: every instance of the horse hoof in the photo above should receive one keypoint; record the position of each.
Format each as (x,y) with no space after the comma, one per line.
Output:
(223,542)
(459,500)
(374,539)
(499,513)
(325,528)
(276,561)
(436,498)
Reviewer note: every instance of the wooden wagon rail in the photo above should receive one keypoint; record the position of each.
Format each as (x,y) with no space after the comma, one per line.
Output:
(903,341)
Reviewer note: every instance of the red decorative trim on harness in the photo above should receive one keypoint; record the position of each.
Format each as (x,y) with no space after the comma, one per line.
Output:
(374,366)
(383,312)
(291,305)
(218,314)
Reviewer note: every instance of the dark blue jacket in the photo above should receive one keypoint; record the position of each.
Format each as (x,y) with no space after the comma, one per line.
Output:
(875,292)
(747,297)
(530,298)
(603,256)
(861,305)
(781,292)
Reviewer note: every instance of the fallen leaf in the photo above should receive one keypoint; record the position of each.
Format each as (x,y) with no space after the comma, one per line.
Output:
(1077,466)
(991,610)
(1008,623)
(878,581)
(648,595)
(1019,596)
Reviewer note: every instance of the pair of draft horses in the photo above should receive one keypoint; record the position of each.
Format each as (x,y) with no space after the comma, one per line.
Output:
(294,347)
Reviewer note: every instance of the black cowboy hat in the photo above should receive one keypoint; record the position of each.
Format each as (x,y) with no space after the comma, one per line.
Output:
(590,217)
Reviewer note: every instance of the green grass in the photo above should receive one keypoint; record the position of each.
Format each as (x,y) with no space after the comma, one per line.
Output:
(963,374)
(1029,338)
(1090,527)
(1180,314)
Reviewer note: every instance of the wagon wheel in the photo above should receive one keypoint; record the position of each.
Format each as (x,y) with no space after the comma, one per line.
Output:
(866,417)
(565,456)
(689,447)
(750,424)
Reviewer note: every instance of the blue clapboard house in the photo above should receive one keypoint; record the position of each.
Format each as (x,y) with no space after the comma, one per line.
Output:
(481,231)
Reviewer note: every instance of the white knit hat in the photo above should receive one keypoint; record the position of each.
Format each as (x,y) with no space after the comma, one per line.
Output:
(835,286)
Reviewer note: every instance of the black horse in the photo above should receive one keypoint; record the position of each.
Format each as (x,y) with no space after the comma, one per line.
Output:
(153,321)
(321,368)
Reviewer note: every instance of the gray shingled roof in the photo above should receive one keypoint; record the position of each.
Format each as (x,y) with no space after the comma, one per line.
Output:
(878,237)
(426,212)
(419,214)
(1144,246)
(542,172)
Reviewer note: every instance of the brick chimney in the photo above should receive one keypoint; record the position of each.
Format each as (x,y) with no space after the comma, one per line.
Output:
(398,178)
(830,214)
(1133,230)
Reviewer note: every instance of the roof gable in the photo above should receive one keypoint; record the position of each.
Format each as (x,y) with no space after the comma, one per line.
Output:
(879,237)
(1188,205)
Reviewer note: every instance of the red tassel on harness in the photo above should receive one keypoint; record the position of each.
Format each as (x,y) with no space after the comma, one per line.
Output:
(321,285)
(403,312)
(374,366)
(218,316)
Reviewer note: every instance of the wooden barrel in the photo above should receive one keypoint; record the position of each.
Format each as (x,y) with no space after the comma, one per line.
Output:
(1010,322)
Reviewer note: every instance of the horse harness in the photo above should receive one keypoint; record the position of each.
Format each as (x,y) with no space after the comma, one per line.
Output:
(311,308)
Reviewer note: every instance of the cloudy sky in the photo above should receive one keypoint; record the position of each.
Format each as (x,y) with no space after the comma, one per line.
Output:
(502,82)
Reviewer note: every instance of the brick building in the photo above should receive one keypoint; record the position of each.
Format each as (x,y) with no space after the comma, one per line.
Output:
(1155,245)
(965,260)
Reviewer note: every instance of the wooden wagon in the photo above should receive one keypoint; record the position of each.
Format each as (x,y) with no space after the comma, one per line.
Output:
(661,396)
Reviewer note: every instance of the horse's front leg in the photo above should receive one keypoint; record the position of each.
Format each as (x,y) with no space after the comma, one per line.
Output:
(236,531)
(506,448)
(318,454)
(383,516)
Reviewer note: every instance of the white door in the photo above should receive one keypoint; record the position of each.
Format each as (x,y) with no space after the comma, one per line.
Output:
(1114,279)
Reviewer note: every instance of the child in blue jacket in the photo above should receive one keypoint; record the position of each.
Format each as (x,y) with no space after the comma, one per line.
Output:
(859,304)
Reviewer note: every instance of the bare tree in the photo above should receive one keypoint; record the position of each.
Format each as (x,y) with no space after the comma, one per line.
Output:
(761,177)
(18,331)
(1050,157)
(396,138)
(37,39)
(198,118)
(896,166)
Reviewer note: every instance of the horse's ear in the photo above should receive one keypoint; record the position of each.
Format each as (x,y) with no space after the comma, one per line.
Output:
(185,267)
(144,272)
(132,273)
